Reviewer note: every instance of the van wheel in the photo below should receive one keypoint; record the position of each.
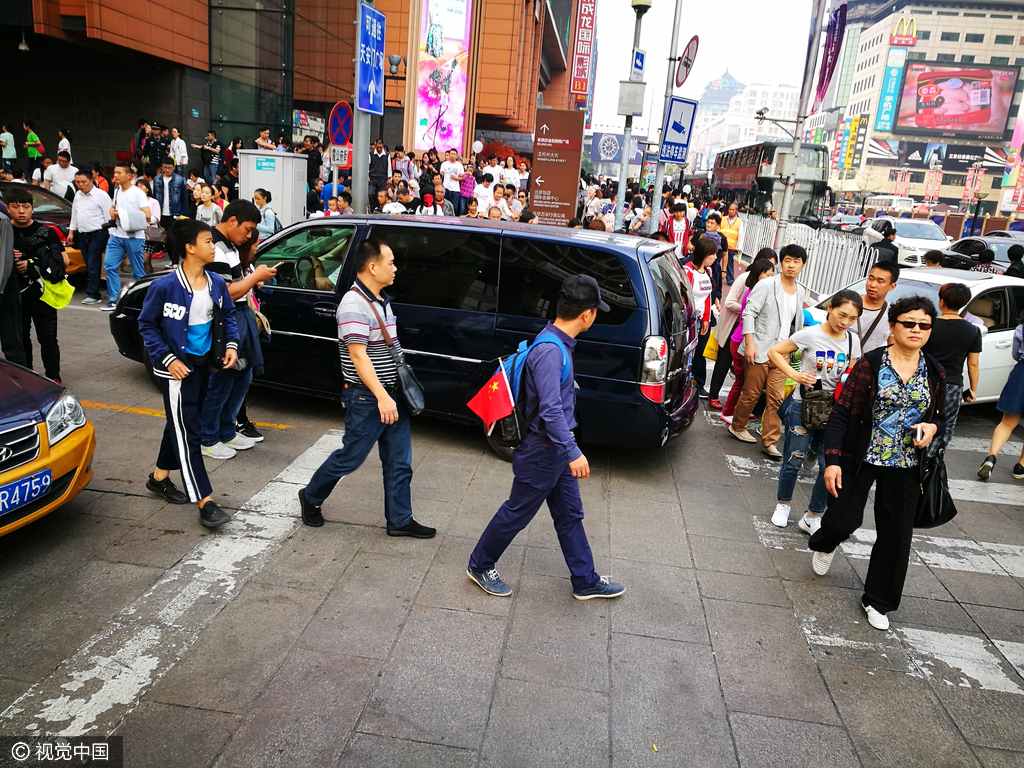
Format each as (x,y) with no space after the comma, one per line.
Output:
(149,367)
(503,452)
(688,420)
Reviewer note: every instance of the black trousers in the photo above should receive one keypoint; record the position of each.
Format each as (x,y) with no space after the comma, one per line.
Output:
(181,446)
(11,334)
(93,245)
(722,367)
(896,495)
(35,310)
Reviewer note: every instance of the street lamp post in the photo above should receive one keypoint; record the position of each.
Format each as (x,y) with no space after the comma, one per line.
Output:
(640,7)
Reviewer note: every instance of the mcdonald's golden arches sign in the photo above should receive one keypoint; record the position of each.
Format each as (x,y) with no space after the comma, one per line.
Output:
(904,33)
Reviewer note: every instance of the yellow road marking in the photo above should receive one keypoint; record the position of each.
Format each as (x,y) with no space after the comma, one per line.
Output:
(161,414)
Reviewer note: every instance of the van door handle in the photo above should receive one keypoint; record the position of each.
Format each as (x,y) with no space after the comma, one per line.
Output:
(325,310)
(408,329)
(1003,344)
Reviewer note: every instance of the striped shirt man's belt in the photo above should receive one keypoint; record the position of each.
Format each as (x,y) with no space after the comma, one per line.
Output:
(389,388)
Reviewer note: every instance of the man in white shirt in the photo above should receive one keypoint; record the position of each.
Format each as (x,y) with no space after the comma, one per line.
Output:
(130,209)
(89,212)
(452,174)
(492,168)
(60,176)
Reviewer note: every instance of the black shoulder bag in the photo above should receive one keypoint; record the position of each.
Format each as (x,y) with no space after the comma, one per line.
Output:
(411,388)
(935,506)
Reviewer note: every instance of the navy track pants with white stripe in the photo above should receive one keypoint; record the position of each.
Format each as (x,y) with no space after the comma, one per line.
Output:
(181,445)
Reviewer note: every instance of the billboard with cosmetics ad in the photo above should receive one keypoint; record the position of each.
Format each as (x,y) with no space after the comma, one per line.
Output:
(957,100)
(441,74)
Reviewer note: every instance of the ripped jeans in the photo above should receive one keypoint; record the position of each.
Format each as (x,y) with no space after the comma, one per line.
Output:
(797,440)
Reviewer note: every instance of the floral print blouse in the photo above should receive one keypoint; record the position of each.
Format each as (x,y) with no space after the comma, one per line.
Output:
(898,408)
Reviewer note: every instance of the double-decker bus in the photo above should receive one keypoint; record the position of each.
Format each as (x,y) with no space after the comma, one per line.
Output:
(750,175)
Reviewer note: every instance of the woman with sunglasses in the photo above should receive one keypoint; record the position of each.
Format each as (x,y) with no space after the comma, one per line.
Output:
(890,409)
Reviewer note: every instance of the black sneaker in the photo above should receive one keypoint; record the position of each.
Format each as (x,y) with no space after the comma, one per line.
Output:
(1018,471)
(603,588)
(702,393)
(248,429)
(311,514)
(986,467)
(212,516)
(167,489)
(414,529)
(490,582)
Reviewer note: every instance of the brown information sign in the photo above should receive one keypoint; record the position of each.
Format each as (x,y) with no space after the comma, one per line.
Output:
(555,175)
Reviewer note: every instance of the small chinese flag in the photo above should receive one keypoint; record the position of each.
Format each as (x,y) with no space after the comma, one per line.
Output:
(494,400)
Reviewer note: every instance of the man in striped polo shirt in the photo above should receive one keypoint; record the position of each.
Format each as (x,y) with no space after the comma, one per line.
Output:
(374,412)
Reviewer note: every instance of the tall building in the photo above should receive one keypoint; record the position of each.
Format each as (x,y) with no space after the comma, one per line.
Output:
(737,125)
(897,52)
(714,101)
(95,67)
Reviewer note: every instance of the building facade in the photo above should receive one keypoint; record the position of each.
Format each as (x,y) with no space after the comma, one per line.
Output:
(237,66)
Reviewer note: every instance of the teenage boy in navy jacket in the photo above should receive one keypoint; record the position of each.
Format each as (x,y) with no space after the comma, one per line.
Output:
(178,325)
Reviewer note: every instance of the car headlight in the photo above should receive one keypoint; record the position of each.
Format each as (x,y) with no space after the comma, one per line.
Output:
(63,418)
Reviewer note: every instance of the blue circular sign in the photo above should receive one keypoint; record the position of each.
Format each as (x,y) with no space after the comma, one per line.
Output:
(339,126)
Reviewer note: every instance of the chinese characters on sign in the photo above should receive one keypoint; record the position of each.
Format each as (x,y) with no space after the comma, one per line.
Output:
(584,50)
(370,66)
(554,178)
(894,64)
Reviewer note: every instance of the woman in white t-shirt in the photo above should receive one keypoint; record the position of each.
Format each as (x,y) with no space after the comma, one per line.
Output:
(64,145)
(509,174)
(524,176)
(827,351)
(207,211)
(701,285)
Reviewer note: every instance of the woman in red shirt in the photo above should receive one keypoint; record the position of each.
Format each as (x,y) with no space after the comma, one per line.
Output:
(702,287)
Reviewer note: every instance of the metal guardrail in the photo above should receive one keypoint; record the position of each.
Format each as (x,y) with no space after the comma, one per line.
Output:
(834,259)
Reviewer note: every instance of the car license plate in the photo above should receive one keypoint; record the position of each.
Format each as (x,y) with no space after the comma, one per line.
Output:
(21,492)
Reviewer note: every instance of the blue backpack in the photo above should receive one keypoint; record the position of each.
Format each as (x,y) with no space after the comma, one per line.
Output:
(509,431)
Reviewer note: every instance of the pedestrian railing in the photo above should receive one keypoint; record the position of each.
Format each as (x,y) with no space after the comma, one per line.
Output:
(834,259)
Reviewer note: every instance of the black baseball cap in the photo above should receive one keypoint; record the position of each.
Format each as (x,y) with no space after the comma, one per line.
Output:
(583,291)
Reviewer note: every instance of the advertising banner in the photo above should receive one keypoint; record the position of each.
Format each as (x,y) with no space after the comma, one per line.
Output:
(960,158)
(830,53)
(955,100)
(607,148)
(585,47)
(849,140)
(1011,174)
(441,74)
(859,140)
(891,80)
(838,149)
(968,187)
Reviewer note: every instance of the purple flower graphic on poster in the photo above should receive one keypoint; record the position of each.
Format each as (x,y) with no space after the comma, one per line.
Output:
(441,74)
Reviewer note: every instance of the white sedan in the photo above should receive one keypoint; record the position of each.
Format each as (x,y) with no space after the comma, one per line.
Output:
(996,303)
(914,237)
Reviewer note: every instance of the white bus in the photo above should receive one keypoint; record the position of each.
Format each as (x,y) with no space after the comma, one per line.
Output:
(890,203)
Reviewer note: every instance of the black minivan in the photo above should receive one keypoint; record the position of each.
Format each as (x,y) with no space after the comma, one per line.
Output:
(466,293)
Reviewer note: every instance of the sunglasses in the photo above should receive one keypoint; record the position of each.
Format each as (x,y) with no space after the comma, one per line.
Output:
(911,325)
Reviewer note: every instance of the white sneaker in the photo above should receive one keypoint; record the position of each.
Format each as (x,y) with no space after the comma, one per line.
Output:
(780,517)
(219,451)
(821,562)
(726,419)
(809,523)
(240,443)
(876,618)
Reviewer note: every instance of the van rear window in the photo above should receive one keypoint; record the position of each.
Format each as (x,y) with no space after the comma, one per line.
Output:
(532,272)
(668,281)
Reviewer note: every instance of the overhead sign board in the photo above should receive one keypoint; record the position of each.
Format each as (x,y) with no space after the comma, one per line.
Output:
(339,126)
(554,177)
(370,66)
(675,133)
(585,49)
(686,61)
(904,33)
(636,72)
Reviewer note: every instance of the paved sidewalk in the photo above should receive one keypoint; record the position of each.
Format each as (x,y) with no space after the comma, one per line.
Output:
(271,644)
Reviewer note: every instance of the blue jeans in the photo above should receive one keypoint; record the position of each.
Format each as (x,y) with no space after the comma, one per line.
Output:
(798,439)
(224,396)
(92,245)
(541,474)
(730,266)
(453,197)
(210,172)
(117,247)
(363,428)
(8,162)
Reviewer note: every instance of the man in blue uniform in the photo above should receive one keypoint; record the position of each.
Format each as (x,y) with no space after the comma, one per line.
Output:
(548,464)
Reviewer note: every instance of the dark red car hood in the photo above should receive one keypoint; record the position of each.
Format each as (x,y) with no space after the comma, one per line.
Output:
(25,397)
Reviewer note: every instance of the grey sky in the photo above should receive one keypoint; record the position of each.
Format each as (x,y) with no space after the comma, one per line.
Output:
(757,40)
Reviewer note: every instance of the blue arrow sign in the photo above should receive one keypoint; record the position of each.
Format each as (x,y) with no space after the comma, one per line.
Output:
(370,69)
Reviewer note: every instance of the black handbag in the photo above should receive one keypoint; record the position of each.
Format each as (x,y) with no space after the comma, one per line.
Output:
(412,390)
(816,404)
(935,506)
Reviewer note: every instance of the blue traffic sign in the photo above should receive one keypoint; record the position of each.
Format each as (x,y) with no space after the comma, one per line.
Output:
(675,133)
(370,69)
(339,125)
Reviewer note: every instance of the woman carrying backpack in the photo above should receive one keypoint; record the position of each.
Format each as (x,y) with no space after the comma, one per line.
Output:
(269,223)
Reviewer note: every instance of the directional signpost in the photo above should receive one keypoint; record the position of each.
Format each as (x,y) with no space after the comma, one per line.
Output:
(675,134)
(554,177)
(370,71)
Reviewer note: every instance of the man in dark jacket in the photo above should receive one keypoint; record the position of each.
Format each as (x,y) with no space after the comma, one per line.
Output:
(38,255)
(887,249)
(380,169)
(1015,253)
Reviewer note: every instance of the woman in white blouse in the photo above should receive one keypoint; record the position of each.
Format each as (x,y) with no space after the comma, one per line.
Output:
(509,174)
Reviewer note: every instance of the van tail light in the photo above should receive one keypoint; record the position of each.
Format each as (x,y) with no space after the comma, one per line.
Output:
(655,369)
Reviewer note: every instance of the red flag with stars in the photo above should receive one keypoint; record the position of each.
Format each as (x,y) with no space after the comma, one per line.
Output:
(494,400)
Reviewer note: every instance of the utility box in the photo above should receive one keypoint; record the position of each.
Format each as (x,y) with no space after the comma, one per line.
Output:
(282,174)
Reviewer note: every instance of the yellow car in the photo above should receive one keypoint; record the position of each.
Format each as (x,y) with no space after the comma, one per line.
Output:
(46,446)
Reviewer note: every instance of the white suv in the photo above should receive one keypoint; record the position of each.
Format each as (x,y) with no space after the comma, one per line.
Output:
(913,237)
